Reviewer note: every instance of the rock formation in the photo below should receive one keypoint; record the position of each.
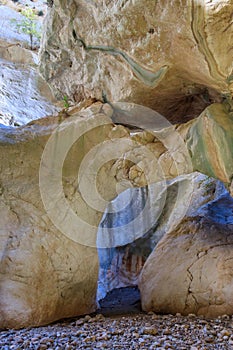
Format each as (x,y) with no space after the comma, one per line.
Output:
(24,94)
(121,264)
(49,262)
(58,175)
(190,271)
(172,56)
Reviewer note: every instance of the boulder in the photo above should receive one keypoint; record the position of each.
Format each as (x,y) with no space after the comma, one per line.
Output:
(51,174)
(152,211)
(57,177)
(44,274)
(190,270)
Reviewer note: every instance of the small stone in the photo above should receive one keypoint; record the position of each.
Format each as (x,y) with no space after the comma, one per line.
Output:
(46,340)
(225,332)
(43,347)
(100,317)
(69,347)
(226,317)
(167,331)
(135,335)
(80,322)
(87,318)
(150,313)
(90,339)
(209,339)
(141,341)
(150,331)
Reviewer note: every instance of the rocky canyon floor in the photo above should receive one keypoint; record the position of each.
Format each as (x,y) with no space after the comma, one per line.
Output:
(121,325)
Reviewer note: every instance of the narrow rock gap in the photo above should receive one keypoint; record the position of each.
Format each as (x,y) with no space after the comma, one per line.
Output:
(126,237)
(120,301)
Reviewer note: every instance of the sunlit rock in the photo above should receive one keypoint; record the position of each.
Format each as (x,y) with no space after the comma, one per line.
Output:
(174,58)
(57,177)
(190,271)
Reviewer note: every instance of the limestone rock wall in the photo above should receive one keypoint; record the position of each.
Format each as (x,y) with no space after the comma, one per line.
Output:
(50,212)
(44,275)
(173,56)
(57,176)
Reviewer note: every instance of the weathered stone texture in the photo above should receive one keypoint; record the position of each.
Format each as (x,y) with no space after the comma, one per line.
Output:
(173,56)
(190,270)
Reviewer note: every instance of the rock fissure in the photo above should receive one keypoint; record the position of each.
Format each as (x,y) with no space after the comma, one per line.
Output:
(152,79)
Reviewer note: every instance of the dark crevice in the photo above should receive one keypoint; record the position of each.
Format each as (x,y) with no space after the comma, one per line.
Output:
(121,301)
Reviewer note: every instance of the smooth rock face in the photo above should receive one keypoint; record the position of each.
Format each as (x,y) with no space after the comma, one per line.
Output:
(24,95)
(50,214)
(210,142)
(9,31)
(120,265)
(190,271)
(57,176)
(172,56)
(44,275)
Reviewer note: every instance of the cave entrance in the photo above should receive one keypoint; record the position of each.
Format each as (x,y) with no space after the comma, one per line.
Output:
(120,301)
(127,234)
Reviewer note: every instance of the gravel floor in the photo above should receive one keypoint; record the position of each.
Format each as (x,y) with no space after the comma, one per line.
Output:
(141,331)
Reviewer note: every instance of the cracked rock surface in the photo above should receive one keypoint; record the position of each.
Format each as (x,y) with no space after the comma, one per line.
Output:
(190,270)
(172,56)
(50,213)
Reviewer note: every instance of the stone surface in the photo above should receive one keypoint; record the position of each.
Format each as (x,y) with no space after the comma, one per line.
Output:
(49,262)
(8,31)
(120,265)
(173,57)
(57,176)
(139,331)
(17,54)
(24,95)
(210,142)
(190,271)
(44,275)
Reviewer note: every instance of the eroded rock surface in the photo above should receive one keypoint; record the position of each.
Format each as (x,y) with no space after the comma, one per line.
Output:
(190,271)
(49,262)
(57,176)
(24,95)
(175,57)
(121,264)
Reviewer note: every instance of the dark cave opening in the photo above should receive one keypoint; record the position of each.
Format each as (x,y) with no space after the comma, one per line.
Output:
(121,301)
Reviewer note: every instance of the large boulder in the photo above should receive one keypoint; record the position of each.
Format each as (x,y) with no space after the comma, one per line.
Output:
(152,211)
(190,270)
(57,176)
(45,275)
(175,58)
(51,174)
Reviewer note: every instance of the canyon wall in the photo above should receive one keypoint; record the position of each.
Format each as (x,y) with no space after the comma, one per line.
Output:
(173,56)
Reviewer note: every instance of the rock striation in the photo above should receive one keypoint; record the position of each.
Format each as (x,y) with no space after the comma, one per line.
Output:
(57,178)
(175,57)
(190,270)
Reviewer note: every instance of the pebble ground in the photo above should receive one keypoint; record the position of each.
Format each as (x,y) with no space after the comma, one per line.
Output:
(140,331)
